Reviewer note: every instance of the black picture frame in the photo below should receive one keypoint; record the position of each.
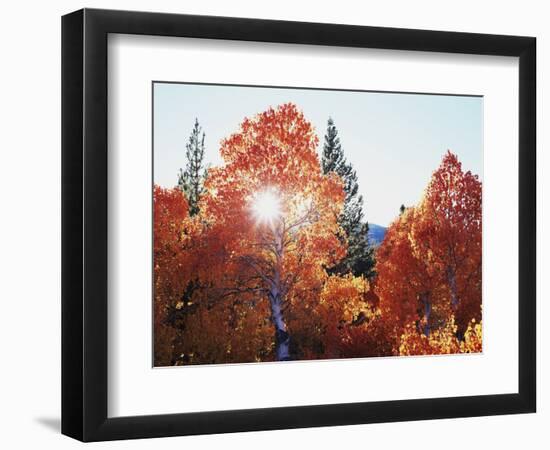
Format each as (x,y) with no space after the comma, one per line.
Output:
(84,224)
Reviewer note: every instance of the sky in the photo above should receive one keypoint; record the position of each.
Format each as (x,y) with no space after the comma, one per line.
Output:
(393,140)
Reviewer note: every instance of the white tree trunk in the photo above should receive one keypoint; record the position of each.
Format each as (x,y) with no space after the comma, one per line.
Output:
(282,338)
(276,294)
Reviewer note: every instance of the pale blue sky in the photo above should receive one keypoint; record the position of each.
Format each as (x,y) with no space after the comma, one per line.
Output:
(394,141)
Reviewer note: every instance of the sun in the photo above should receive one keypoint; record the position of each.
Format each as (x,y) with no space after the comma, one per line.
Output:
(266,206)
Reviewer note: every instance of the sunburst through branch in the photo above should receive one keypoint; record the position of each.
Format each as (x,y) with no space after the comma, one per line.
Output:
(266,206)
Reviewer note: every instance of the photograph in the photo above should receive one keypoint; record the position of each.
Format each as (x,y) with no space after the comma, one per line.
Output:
(275,225)
(306,224)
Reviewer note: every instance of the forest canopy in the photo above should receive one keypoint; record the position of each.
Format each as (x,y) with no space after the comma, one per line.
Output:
(266,257)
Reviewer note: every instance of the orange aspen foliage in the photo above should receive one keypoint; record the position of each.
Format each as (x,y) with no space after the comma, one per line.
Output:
(271,216)
(170,211)
(450,231)
(429,264)
(353,323)
(343,305)
(405,281)
(442,341)
(245,279)
(473,338)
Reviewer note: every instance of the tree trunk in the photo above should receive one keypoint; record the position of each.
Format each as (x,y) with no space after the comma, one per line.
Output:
(425,297)
(276,292)
(282,338)
(451,278)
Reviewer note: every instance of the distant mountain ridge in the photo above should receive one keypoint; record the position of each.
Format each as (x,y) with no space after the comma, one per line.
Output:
(376,234)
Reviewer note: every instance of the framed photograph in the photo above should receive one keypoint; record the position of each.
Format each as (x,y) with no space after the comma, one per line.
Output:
(273,224)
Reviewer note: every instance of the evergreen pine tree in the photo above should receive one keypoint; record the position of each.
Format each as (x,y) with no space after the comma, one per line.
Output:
(191,180)
(191,183)
(359,259)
